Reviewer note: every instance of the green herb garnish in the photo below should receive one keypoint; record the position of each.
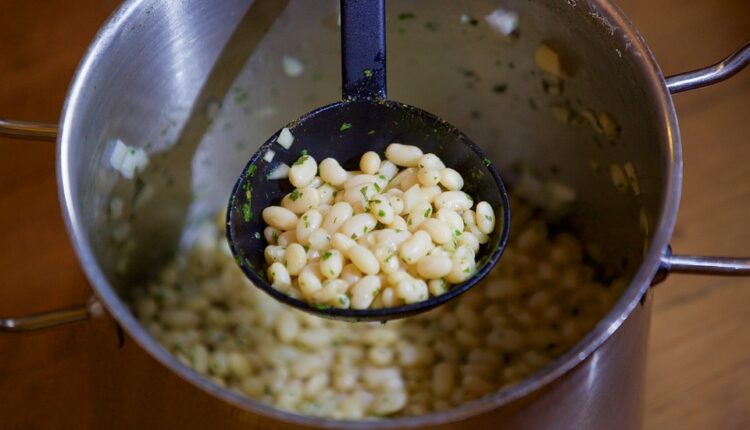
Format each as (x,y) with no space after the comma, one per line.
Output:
(405,16)
(251,170)
(367,73)
(487,162)
(301,160)
(294,195)
(381,213)
(247,215)
(432,26)
(427,212)
(345,126)
(327,255)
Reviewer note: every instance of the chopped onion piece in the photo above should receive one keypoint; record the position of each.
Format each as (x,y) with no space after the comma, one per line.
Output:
(268,156)
(292,67)
(286,138)
(280,172)
(503,21)
(127,159)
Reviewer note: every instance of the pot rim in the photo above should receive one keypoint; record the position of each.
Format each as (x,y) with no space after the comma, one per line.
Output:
(621,29)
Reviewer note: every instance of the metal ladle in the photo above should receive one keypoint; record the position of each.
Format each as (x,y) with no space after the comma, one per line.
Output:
(363,121)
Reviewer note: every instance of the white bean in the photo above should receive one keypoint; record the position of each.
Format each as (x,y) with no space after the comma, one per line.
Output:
(363,259)
(412,290)
(279,276)
(325,195)
(364,292)
(451,179)
(310,280)
(358,225)
(351,274)
(429,193)
(331,264)
(320,240)
(415,247)
(397,203)
(411,197)
(274,253)
(387,169)
(428,177)
(387,258)
(271,235)
(303,171)
(450,217)
(419,212)
(438,230)
(370,162)
(430,161)
(301,200)
(404,179)
(287,238)
(456,200)
(295,258)
(357,181)
(342,242)
(462,265)
(468,239)
(337,216)
(309,222)
(485,217)
(381,209)
(280,218)
(437,286)
(388,298)
(481,237)
(332,172)
(403,155)
(399,224)
(434,266)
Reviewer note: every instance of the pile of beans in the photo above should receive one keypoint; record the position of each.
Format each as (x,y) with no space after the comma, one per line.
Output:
(395,232)
(540,299)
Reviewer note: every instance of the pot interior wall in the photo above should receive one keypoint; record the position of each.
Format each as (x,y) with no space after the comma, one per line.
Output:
(199,85)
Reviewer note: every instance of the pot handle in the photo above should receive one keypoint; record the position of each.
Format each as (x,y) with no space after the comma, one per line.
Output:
(712,74)
(694,264)
(27,130)
(38,321)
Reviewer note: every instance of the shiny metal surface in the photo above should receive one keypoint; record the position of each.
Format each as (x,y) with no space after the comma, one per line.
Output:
(44,320)
(710,75)
(198,85)
(28,130)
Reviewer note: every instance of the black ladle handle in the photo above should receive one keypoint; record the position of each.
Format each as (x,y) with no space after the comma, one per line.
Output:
(363,49)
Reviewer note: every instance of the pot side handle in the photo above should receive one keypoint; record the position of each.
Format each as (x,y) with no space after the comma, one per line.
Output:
(38,321)
(712,74)
(694,264)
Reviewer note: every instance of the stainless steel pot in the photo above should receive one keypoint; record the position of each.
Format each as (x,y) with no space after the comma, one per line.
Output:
(198,85)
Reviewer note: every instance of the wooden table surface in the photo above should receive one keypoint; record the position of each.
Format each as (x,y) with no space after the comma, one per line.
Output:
(699,357)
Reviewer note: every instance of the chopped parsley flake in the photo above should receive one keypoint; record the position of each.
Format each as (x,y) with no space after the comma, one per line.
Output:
(381,213)
(301,160)
(368,73)
(371,132)
(327,255)
(405,16)
(488,218)
(294,195)
(487,162)
(247,215)
(251,170)
(363,190)
(432,26)
(457,232)
(427,212)
(345,126)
